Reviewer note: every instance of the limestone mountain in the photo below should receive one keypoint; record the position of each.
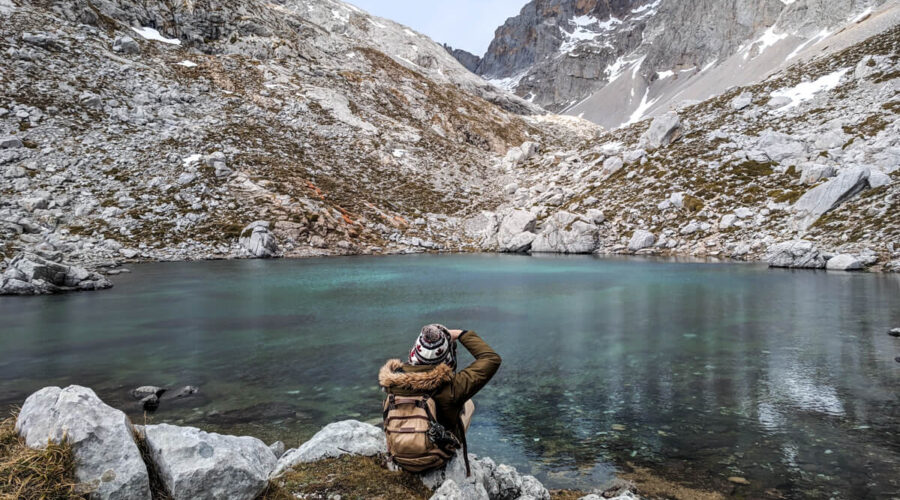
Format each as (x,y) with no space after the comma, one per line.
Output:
(617,62)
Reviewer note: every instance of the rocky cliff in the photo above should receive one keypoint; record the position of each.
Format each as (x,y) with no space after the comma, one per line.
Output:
(617,62)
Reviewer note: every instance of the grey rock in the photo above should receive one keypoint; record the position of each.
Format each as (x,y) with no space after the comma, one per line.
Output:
(277,448)
(781,148)
(516,232)
(664,130)
(640,240)
(814,174)
(11,143)
(194,464)
(49,277)
(612,165)
(126,45)
(828,196)
(147,390)
(895,332)
(349,437)
(258,241)
(742,101)
(186,391)
(487,481)
(107,458)
(795,254)
(879,179)
(566,232)
(844,262)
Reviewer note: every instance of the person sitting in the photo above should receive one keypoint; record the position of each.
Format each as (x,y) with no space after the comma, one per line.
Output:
(429,405)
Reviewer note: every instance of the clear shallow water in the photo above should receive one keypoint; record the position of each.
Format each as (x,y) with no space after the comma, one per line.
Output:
(785,378)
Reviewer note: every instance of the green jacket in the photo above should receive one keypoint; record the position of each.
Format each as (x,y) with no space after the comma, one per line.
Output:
(449,390)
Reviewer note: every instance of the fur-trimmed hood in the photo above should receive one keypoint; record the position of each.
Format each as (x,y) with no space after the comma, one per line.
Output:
(392,376)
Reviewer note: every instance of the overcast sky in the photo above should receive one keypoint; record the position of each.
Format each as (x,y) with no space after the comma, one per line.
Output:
(464,24)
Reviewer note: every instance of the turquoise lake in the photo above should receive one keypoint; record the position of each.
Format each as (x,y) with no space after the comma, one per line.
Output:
(697,371)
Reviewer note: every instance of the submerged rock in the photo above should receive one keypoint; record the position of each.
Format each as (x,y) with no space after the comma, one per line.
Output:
(106,455)
(895,332)
(147,390)
(194,464)
(349,437)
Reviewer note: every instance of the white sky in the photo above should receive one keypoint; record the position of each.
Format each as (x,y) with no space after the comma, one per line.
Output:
(464,24)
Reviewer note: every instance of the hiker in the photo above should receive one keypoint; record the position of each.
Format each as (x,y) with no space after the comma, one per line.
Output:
(429,406)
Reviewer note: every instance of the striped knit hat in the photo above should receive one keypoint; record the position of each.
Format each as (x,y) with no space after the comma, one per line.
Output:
(433,347)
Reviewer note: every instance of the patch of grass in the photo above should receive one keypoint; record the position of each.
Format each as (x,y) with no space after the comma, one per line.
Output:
(351,477)
(27,474)
(158,489)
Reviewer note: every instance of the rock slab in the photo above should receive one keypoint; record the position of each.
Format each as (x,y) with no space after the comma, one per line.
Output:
(106,455)
(194,464)
(349,437)
(800,254)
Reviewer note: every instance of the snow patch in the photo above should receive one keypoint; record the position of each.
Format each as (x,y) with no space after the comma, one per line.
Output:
(665,74)
(587,28)
(152,34)
(768,39)
(709,65)
(187,64)
(807,90)
(650,9)
(641,109)
(862,15)
(509,84)
(812,41)
(192,159)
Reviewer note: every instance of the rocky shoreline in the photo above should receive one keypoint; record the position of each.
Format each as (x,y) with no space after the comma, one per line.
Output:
(118,460)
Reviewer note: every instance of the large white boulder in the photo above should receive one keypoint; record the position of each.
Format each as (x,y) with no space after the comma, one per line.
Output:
(664,130)
(106,455)
(194,464)
(259,241)
(844,262)
(565,232)
(640,240)
(349,437)
(828,196)
(516,231)
(795,254)
(483,228)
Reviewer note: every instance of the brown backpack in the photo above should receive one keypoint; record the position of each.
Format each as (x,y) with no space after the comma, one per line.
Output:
(412,430)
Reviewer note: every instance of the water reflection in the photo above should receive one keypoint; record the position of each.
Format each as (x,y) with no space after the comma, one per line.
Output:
(697,371)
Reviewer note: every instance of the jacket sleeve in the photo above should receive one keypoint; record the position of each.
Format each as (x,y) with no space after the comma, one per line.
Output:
(469,381)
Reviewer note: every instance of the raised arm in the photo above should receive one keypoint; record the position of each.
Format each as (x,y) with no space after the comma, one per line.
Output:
(469,381)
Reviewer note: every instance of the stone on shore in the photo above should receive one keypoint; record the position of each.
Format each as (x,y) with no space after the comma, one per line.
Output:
(641,240)
(31,274)
(844,262)
(516,232)
(800,254)
(106,455)
(258,241)
(349,437)
(11,143)
(895,332)
(565,232)
(487,482)
(194,464)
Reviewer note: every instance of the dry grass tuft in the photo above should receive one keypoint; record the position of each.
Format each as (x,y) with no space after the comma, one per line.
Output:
(27,474)
(351,477)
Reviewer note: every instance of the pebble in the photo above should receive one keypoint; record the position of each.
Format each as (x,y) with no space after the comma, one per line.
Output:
(618,427)
(738,480)
(895,332)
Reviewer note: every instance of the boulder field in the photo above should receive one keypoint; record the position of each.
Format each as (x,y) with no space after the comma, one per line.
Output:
(194,464)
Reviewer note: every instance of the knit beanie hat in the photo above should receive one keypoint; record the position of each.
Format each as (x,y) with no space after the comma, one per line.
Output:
(433,347)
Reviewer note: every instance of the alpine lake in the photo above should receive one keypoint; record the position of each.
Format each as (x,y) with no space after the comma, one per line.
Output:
(695,371)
